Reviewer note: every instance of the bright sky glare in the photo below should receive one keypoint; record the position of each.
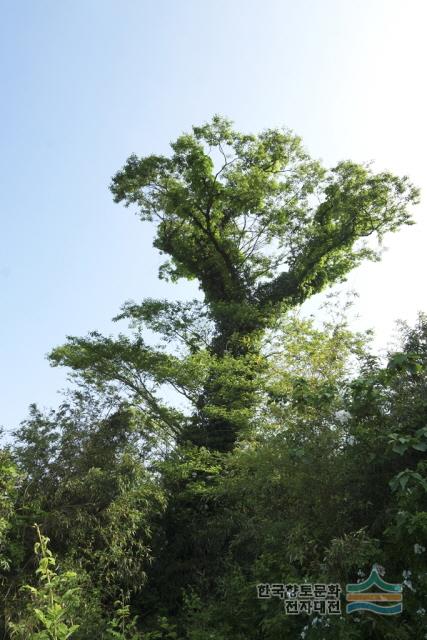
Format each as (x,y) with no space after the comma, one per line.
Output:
(84,84)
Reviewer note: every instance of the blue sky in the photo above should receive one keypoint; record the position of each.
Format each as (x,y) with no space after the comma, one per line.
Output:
(87,82)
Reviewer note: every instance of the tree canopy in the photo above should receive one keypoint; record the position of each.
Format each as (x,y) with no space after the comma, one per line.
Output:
(256,220)
(262,227)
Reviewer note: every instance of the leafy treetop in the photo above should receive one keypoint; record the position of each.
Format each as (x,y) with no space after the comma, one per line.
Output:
(256,220)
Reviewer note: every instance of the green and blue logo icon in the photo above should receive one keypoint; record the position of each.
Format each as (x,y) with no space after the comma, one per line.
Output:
(386,601)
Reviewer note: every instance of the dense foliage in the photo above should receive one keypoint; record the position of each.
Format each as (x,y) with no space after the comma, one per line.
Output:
(227,441)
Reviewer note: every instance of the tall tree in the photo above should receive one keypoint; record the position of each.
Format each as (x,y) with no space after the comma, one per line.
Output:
(262,227)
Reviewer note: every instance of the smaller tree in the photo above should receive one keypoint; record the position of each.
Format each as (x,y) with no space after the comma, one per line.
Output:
(51,611)
(8,485)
